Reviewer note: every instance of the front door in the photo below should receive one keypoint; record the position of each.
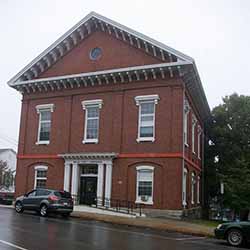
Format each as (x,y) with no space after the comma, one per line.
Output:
(88,190)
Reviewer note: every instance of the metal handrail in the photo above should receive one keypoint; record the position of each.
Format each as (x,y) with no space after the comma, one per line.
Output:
(117,205)
(121,206)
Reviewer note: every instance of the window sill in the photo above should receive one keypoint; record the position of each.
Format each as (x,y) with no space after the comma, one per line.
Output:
(95,141)
(145,139)
(144,202)
(42,143)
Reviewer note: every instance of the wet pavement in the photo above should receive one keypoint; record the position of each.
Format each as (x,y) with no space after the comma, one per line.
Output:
(28,231)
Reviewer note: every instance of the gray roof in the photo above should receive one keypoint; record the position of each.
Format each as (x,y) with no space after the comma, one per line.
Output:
(7,149)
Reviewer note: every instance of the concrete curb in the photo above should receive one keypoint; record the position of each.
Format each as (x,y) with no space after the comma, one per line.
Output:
(158,224)
(6,206)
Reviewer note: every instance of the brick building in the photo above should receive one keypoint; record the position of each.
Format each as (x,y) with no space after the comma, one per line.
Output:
(109,112)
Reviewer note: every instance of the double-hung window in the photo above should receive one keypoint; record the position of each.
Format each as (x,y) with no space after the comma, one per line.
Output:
(186,116)
(44,127)
(184,196)
(146,120)
(144,190)
(192,187)
(40,176)
(92,113)
(198,190)
(199,141)
(194,121)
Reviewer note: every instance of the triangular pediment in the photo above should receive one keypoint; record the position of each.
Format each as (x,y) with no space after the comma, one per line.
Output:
(83,30)
(109,52)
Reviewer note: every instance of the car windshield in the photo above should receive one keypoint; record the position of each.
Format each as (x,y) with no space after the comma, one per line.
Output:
(63,194)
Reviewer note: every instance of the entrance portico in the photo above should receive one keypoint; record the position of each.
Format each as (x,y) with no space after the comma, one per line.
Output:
(88,175)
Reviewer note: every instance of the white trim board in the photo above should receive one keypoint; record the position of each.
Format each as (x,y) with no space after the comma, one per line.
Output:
(103,72)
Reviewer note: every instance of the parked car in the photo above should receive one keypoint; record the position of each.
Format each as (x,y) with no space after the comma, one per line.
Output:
(236,233)
(6,198)
(45,201)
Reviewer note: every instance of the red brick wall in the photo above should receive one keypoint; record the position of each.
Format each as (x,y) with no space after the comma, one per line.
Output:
(25,175)
(115,54)
(167,190)
(118,120)
(188,149)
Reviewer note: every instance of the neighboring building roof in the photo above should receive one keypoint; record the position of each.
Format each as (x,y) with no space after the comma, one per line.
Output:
(173,61)
(7,149)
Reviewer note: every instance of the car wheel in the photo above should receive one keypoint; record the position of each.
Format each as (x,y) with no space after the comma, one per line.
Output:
(43,210)
(235,237)
(19,207)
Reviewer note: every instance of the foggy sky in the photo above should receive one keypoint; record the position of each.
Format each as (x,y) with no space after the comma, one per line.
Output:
(214,32)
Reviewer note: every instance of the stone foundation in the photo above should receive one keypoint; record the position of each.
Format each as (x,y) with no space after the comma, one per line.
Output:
(193,213)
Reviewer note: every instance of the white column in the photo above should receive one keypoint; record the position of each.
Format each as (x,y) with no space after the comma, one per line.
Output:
(74,182)
(108,182)
(66,176)
(100,181)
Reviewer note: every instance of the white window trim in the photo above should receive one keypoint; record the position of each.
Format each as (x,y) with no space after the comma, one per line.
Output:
(138,101)
(194,121)
(199,141)
(186,122)
(37,168)
(138,199)
(186,128)
(198,190)
(184,188)
(85,105)
(39,109)
(192,188)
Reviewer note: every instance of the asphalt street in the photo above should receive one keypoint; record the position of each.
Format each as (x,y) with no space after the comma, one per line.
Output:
(28,231)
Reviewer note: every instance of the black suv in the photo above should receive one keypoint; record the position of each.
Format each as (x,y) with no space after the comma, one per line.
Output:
(44,201)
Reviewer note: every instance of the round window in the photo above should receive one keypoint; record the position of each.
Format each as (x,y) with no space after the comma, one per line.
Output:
(95,53)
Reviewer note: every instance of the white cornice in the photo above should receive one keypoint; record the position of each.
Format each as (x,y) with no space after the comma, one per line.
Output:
(103,72)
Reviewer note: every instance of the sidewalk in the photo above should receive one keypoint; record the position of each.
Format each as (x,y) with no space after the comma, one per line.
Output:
(153,223)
